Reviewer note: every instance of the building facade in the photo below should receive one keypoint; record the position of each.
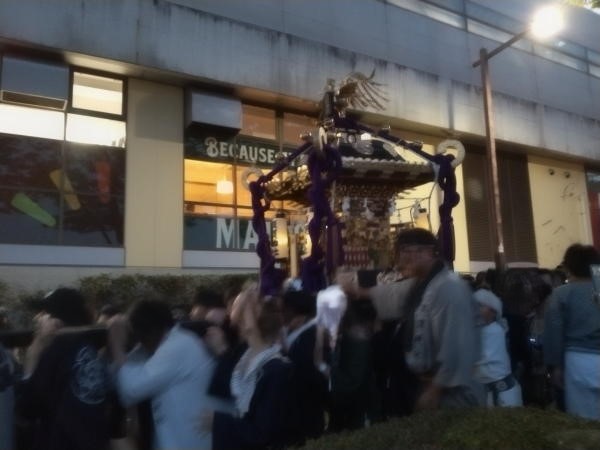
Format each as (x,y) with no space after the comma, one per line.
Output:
(127,127)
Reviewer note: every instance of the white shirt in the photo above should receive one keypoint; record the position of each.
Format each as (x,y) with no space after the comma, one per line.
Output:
(494,363)
(176,378)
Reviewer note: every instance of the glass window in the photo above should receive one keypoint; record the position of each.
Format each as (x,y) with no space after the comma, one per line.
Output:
(593,57)
(494,18)
(217,205)
(202,179)
(97,221)
(258,122)
(27,121)
(294,125)
(64,191)
(94,169)
(431,11)
(495,34)
(94,130)
(560,58)
(594,70)
(567,47)
(96,93)
(243,196)
(29,217)
(28,162)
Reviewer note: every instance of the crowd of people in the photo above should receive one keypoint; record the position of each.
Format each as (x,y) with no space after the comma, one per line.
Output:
(239,371)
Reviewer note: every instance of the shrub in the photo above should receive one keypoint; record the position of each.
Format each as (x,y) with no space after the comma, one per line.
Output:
(122,291)
(489,429)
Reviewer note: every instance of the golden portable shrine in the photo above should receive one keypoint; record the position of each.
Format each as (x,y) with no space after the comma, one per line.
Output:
(346,182)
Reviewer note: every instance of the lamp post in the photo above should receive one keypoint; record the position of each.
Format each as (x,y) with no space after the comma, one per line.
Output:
(546,22)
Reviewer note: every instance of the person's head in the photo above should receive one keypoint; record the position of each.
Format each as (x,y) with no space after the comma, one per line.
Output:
(269,322)
(578,259)
(106,313)
(417,251)
(67,305)
(205,300)
(150,320)
(298,305)
(490,306)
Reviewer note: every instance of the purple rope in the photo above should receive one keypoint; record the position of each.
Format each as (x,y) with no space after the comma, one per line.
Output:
(323,169)
(271,278)
(447,182)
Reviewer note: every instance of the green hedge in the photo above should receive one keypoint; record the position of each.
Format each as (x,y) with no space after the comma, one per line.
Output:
(124,290)
(489,429)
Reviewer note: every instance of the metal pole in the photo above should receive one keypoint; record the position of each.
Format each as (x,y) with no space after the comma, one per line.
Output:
(494,189)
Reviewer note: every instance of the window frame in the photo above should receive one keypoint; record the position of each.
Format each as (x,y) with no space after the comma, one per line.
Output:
(90,112)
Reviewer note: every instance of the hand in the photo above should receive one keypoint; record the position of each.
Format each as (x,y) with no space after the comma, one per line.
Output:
(205,422)
(215,340)
(430,398)
(240,303)
(118,332)
(45,331)
(46,325)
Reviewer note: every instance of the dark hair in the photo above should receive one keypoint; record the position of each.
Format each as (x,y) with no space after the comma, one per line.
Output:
(68,305)
(269,321)
(359,312)
(300,303)
(416,236)
(578,259)
(109,310)
(208,298)
(150,317)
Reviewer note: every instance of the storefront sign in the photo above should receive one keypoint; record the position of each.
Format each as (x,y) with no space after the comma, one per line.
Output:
(220,233)
(240,149)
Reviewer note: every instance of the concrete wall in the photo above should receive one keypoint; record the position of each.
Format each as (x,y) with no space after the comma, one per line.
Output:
(154,181)
(291,47)
(561,215)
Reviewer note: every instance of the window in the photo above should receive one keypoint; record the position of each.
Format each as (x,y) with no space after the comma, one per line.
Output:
(218,208)
(62,175)
(96,93)
(515,199)
(560,58)
(495,34)
(295,125)
(26,121)
(431,11)
(258,122)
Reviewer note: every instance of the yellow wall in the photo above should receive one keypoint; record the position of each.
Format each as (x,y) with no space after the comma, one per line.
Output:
(154,181)
(461,260)
(560,208)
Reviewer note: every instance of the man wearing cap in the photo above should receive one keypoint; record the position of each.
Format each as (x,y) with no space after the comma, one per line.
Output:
(436,337)
(493,368)
(441,342)
(65,387)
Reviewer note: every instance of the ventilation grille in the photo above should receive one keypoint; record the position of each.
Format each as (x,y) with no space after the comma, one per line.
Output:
(33,100)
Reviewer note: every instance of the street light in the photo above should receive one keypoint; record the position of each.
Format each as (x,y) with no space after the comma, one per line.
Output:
(546,22)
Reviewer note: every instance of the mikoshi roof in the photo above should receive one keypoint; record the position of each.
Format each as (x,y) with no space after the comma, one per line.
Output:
(362,176)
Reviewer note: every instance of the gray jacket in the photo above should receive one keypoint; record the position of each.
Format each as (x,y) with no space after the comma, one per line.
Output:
(572,322)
